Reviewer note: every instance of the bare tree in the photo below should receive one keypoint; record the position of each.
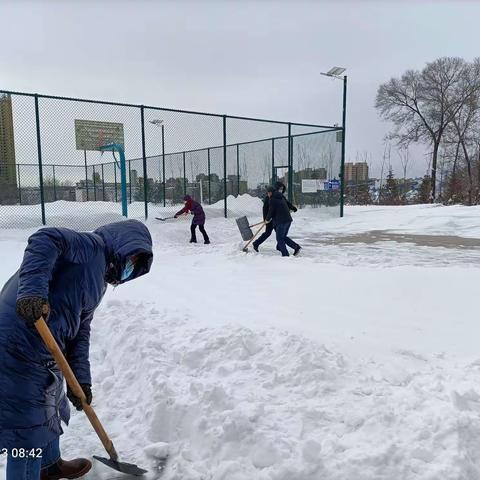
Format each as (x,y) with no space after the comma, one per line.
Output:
(404,156)
(423,104)
(386,154)
(266,167)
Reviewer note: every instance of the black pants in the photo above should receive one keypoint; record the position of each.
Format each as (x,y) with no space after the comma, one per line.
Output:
(268,231)
(203,232)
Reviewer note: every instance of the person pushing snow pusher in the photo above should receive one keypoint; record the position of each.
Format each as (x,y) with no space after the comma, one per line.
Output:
(62,279)
(198,218)
(279,213)
(266,205)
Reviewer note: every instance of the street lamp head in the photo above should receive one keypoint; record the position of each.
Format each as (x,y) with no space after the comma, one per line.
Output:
(156,122)
(334,72)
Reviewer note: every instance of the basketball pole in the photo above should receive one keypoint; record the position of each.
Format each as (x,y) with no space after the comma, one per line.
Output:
(115,147)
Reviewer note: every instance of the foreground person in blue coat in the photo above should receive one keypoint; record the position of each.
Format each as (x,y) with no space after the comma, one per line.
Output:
(68,272)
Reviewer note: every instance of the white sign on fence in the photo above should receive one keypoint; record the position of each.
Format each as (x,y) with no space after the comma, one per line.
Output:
(312,185)
(309,186)
(91,135)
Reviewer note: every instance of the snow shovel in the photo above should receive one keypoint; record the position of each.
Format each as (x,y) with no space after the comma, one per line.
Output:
(245,228)
(72,382)
(245,248)
(169,218)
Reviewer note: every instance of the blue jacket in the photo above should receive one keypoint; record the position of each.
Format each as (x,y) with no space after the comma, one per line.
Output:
(70,269)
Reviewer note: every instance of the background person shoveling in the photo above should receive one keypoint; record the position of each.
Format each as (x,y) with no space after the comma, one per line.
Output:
(198,218)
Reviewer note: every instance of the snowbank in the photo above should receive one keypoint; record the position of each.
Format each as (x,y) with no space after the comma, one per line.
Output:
(241,403)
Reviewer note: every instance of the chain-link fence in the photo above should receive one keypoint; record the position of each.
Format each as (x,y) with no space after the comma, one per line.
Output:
(58,166)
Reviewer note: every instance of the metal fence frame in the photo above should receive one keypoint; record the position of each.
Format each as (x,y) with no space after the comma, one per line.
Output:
(290,137)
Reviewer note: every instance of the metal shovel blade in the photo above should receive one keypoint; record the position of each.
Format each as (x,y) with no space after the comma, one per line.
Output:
(123,467)
(244,228)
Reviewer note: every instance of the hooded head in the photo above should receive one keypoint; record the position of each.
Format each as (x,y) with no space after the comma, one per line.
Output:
(128,250)
(280,187)
(270,191)
(188,202)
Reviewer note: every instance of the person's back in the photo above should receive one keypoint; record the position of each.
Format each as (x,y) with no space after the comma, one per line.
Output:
(89,287)
(279,210)
(279,215)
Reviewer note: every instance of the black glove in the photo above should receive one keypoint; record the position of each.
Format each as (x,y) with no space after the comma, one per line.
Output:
(32,308)
(294,209)
(76,402)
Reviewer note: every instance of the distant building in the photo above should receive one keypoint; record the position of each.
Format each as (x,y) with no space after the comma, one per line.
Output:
(319,173)
(356,172)
(8,174)
(349,172)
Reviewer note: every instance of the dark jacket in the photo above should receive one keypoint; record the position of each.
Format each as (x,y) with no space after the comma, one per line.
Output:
(69,269)
(279,209)
(266,206)
(195,208)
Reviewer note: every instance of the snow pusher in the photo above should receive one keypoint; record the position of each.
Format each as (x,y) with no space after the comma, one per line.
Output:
(246,231)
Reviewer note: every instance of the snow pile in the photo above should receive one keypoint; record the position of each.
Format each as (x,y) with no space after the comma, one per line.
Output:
(240,205)
(242,403)
(418,219)
(90,215)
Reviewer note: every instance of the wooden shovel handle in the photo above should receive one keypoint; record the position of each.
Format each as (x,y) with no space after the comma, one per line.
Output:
(72,382)
(257,224)
(253,238)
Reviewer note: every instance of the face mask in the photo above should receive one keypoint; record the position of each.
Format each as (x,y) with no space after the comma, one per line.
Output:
(128,270)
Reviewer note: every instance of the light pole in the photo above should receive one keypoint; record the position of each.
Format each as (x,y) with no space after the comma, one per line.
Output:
(159,123)
(336,72)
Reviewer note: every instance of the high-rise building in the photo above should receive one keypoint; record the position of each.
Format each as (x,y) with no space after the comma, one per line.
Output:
(361,172)
(7,143)
(349,176)
(357,172)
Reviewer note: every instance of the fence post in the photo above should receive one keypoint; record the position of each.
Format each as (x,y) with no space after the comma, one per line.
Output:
(145,176)
(342,167)
(184,176)
(115,179)
(94,184)
(40,168)
(225,164)
(103,184)
(238,171)
(130,180)
(86,173)
(273,161)
(163,164)
(19,185)
(290,163)
(209,180)
(54,185)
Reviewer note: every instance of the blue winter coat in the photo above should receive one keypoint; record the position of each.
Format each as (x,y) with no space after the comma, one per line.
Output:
(69,269)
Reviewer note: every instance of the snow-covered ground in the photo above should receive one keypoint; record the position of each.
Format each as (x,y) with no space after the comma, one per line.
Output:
(352,361)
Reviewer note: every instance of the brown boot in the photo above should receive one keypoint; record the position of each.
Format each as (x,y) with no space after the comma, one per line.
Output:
(66,469)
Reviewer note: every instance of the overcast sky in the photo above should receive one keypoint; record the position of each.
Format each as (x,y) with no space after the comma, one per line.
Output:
(260,59)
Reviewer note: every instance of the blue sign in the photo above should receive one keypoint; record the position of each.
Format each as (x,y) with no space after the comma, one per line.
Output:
(332,185)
